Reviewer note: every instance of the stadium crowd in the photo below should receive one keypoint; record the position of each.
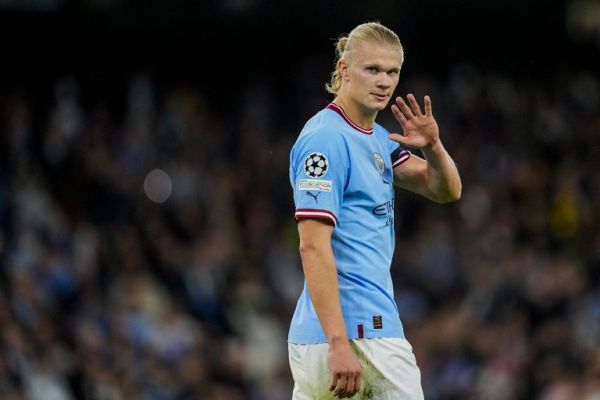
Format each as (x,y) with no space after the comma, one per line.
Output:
(107,295)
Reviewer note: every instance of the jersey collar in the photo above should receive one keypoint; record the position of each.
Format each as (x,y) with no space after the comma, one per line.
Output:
(341,112)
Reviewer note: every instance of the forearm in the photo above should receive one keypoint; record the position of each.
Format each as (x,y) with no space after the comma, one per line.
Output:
(321,278)
(443,179)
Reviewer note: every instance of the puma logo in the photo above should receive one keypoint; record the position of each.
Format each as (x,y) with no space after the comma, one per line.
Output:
(314,196)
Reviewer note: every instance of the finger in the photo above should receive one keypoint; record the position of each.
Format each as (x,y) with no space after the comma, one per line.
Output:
(357,383)
(354,386)
(399,116)
(414,105)
(350,386)
(341,386)
(334,381)
(428,110)
(396,137)
(404,108)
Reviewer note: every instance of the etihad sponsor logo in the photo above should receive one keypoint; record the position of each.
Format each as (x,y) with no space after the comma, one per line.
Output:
(319,185)
(384,208)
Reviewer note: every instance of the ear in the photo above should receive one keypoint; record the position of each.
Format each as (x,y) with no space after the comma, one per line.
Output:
(343,68)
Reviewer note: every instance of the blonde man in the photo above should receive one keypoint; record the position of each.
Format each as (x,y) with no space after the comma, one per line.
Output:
(346,339)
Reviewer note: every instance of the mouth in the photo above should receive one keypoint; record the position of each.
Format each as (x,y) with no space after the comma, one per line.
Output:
(380,97)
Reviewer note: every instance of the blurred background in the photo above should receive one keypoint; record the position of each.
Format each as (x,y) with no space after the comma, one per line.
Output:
(148,248)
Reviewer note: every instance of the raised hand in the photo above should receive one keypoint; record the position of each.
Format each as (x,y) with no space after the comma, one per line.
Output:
(420,130)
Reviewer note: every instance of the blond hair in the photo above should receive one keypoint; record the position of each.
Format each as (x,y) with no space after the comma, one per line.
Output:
(370,31)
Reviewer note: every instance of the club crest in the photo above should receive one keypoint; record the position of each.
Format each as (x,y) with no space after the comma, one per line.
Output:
(379,164)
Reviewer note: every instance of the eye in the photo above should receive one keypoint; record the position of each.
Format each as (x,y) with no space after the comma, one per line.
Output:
(372,69)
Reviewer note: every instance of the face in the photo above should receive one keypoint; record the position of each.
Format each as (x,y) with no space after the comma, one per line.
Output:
(370,73)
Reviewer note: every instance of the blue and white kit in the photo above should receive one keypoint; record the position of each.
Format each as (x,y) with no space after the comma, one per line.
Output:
(343,174)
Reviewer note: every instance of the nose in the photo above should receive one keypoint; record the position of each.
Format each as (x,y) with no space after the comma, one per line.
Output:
(384,80)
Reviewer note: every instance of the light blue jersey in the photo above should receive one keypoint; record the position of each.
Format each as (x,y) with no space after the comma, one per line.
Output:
(343,173)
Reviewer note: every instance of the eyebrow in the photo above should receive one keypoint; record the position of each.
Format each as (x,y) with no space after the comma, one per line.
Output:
(379,67)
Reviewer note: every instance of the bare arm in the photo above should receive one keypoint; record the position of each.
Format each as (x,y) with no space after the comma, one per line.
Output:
(435,177)
(322,282)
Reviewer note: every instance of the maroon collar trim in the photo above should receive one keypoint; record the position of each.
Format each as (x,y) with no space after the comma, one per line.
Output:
(341,112)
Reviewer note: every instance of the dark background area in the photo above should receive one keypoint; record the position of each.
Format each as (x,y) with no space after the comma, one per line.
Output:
(233,41)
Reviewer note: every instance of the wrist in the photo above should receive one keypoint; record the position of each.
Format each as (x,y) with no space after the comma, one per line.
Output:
(434,147)
(337,340)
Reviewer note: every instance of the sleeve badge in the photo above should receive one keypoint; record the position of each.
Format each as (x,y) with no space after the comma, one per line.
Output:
(316,165)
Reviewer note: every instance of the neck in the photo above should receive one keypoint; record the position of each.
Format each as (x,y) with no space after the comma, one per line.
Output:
(365,118)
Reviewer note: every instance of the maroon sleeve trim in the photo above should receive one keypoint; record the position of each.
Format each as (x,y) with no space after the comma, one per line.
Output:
(402,157)
(303,213)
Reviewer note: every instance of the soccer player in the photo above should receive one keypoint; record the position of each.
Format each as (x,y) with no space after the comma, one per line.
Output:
(346,338)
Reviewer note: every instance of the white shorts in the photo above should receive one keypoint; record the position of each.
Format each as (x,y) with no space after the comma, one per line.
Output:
(389,370)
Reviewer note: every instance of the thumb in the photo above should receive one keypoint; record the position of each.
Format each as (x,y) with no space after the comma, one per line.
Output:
(396,137)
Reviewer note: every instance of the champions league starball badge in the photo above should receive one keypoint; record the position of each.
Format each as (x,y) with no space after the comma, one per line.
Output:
(379,163)
(315,165)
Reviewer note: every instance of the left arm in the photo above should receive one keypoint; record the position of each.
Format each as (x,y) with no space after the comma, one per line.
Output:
(435,177)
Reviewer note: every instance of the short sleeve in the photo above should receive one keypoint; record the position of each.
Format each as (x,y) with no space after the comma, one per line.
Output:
(318,172)
(397,153)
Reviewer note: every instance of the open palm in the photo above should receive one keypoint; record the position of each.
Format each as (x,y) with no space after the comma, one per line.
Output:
(420,130)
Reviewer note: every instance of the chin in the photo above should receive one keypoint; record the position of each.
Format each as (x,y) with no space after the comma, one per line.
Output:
(380,105)
(374,105)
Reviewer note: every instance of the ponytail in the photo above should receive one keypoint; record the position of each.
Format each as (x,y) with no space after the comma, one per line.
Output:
(336,79)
